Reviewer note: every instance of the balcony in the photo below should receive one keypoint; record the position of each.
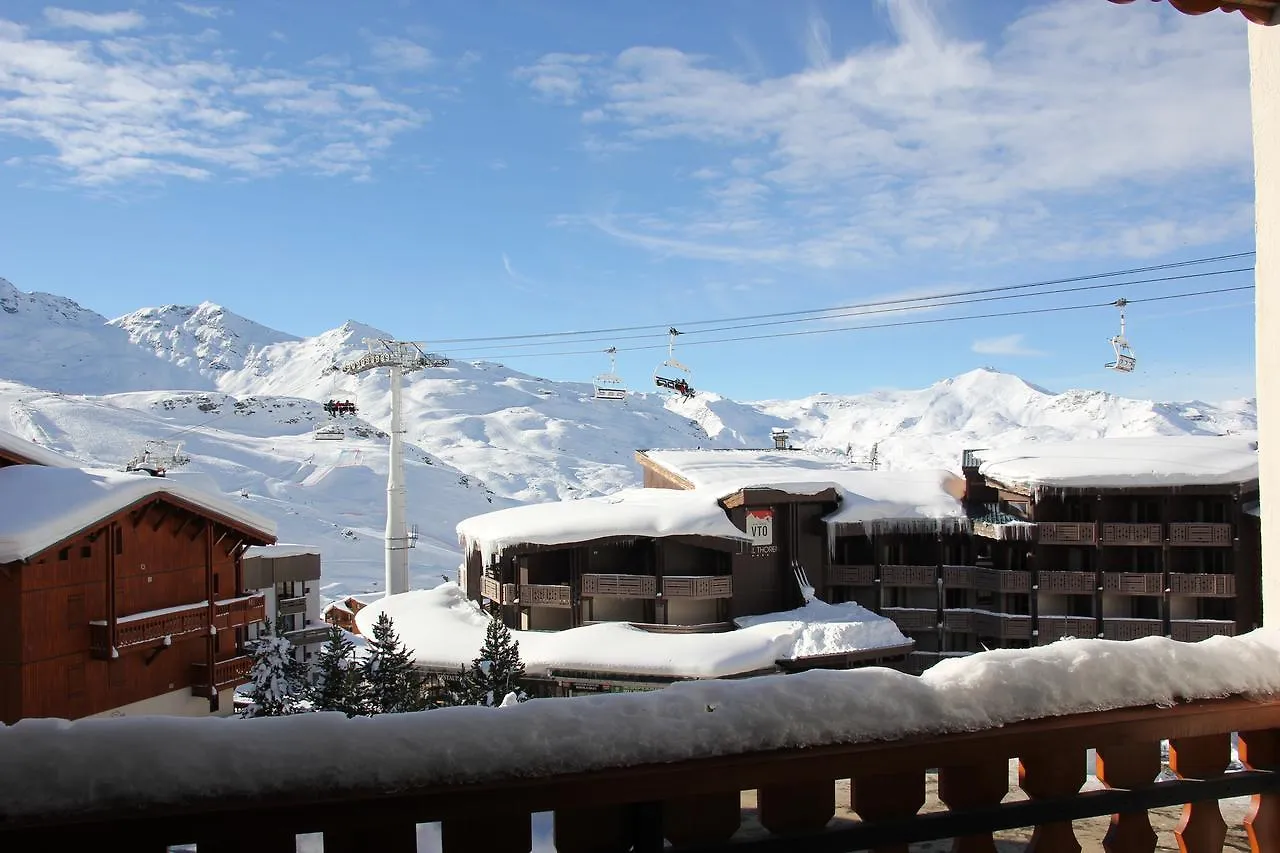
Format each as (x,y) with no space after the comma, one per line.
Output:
(620,586)
(235,612)
(1200,535)
(1055,627)
(308,636)
(851,576)
(226,673)
(912,618)
(1067,533)
(1131,629)
(1133,583)
(1203,586)
(697,586)
(958,621)
(909,575)
(545,595)
(1194,630)
(143,630)
(1132,534)
(958,577)
(491,589)
(661,785)
(1069,583)
(290,606)
(1001,580)
(1005,626)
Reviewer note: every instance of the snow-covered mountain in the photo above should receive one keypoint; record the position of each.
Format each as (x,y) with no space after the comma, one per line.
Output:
(245,400)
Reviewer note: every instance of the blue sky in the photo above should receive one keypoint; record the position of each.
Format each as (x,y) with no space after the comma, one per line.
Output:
(456,170)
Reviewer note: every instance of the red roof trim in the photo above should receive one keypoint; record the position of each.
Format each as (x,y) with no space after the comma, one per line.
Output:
(1265,12)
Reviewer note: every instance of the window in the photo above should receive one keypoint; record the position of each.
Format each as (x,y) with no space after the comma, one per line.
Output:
(86,551)
(1080,605)
(64,553)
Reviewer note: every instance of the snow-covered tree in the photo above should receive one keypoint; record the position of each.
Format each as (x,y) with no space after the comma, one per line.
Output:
(335,678)
(391,685)
(498,671)
(277,680)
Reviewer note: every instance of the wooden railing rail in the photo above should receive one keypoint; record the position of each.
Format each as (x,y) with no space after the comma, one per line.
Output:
(695,803)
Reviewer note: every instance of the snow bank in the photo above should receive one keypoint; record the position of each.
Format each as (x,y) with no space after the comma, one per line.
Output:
(281,550)
(446,629)
(1159,461)
(632,512)
(43,505)
(37,455)
(114,764)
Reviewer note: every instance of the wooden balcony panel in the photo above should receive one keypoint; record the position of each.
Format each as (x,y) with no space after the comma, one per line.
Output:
(1056,627)
(1002,625)
(141,630)
(697,586)
(909,575)
(1067,533)
(1071,583)
(1131,629)
(308,636)
(959,621)
(1203,586)
(1133,583)
(851,576)
(237,612)
(958,577)
(1200,535)
(545,595)
(1132,534)
(226,673)
(291,606)
(1195,630)
(912,618)
(1001,580)
(491,589)
(619,586)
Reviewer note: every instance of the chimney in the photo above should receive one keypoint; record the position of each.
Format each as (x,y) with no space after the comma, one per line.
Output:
(780,439)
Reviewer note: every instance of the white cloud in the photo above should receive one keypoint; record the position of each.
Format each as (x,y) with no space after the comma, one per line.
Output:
(1005,345)
(119,109)
(1071,120)
(498,164)
(522,282)
(104,22)
(204,11)
(392,53)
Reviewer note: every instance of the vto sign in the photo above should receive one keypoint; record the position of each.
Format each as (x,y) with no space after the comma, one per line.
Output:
(760,526)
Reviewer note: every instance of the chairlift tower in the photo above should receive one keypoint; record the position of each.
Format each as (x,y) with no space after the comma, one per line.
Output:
(399,357)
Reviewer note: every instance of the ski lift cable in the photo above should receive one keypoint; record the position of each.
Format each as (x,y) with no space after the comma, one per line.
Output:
(898,324)
(896,301)
(837,313)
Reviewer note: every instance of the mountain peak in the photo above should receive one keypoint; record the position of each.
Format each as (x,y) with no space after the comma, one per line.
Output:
(206,337)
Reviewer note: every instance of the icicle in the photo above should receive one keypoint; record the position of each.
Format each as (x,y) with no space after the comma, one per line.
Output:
(115,653)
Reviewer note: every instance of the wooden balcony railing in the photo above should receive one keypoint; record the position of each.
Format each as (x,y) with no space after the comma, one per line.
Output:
(226,673)
(290,606)
(1005,626)
(620,586)
(1055,627)
(909,575)
(697,586)
(1203,586)
(142,630)
(545,595)
(235,612)
(1133,583)
(1131,629)
(1067,533)
(1001,580)
(491,589)
(1194,630)
(958,621)
(1071,583)
(1132,534)
(689,802)
(958,577)
(851,575)
(308,636)
(1200,535)
(912,618)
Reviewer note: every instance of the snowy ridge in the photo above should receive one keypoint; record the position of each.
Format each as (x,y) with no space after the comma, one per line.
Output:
(205,337)
(108,764)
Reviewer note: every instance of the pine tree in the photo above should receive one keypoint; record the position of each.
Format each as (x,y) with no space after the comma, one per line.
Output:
(277,679)
(391,685)
(336,680)
(498,670)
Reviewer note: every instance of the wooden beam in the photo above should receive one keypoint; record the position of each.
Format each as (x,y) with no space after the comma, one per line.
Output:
(164,516)
(200,528)
(186,519)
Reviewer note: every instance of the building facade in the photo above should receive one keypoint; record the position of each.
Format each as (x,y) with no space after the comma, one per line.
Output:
(288,578)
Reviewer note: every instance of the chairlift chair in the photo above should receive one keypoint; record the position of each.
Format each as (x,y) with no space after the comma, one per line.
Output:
(609,386)
(336,409)
(667,375)
(156,458)
(1125,361)
(329,432)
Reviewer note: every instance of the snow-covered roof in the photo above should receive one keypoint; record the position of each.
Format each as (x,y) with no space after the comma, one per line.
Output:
(37,455)
(44,506)
(631,512)
(281,550)
(881,498)
(1156,461)
(446,629)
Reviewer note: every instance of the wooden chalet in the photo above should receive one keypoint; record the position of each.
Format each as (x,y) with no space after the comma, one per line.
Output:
(121,594)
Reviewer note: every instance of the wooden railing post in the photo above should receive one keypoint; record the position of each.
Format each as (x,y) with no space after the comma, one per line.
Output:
(797,807)
(1129,766)
(887,796)
(594,830)
(974,786)
(705,819)
(1261,751)
(1045,776)
(1202,829)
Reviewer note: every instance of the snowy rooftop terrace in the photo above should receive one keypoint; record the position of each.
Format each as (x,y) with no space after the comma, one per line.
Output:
(44,506)
(1157,461)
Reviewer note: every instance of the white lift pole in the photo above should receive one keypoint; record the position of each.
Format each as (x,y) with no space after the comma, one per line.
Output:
(400,357)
